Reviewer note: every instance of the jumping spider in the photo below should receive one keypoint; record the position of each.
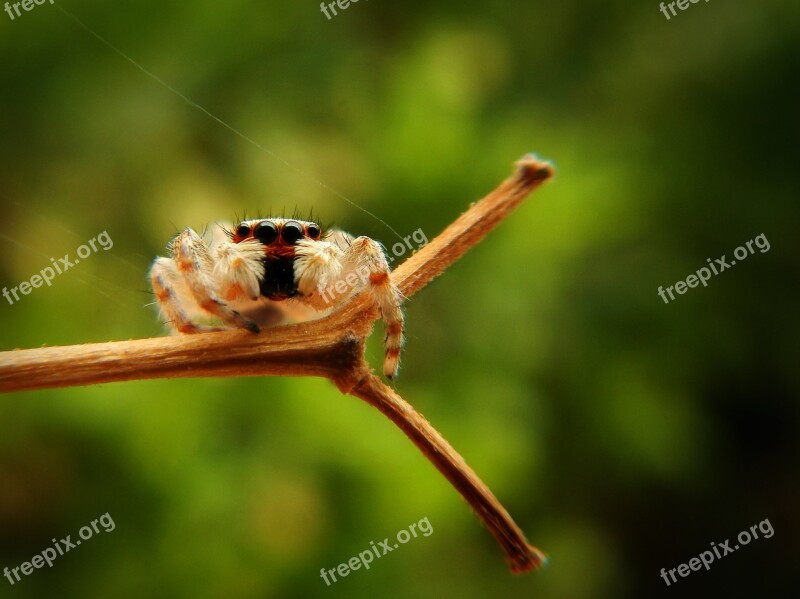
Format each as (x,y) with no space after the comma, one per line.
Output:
(269,269)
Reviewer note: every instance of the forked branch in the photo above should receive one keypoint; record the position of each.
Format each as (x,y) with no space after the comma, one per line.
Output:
(330,347)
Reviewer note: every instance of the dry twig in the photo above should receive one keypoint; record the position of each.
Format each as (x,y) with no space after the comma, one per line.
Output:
(331,347)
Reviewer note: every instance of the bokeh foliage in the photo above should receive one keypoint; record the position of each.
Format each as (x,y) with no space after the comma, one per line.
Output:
(623,434)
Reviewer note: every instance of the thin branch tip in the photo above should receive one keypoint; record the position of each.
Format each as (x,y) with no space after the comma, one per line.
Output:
(528,562)
(534,169)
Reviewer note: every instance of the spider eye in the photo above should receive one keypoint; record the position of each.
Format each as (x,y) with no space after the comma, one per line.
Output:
(292,231)
(266,232)
(313,231)
(243,230)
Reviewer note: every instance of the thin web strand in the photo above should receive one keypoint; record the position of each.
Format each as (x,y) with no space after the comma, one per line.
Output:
(194,104)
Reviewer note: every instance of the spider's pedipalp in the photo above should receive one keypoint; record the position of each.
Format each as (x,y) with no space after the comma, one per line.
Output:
(238,269)
(317,265)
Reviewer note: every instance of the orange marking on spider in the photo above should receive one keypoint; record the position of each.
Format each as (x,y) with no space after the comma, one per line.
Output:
(378,278)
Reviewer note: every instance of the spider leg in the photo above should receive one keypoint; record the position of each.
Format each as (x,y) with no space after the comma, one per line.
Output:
(167,283)
(365,253)
(195,265)
(329,272)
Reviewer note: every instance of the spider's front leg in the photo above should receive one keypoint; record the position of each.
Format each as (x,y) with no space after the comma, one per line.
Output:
(190,277)
(327,274)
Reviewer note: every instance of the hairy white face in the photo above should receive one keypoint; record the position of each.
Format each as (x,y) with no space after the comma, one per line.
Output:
(279,239)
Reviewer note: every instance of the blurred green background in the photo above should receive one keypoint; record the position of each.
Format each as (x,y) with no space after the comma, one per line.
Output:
(623,435)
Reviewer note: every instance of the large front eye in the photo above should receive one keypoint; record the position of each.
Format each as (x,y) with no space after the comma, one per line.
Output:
(292,231)
(266,232)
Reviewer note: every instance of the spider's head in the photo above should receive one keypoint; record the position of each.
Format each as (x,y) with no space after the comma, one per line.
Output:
(279,236)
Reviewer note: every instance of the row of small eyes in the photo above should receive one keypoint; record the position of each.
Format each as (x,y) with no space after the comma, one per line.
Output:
(267,232)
